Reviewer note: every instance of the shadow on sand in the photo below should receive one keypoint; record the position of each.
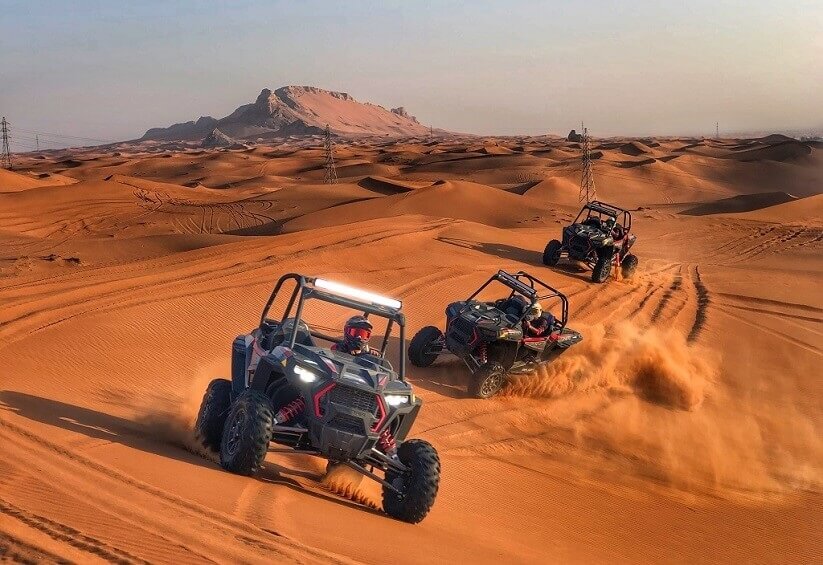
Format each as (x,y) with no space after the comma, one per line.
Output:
(500,250)
(510,252)
(142,436)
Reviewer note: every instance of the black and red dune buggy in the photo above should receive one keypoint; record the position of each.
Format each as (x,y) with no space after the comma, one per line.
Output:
(291,389)
(599,237)
(490,337)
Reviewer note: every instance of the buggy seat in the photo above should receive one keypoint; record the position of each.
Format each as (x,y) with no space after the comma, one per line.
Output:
(512,307)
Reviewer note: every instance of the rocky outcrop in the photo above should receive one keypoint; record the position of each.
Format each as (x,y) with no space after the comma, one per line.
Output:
(187,131)
(574,136)
(298,110)
(218,139)
(401,111)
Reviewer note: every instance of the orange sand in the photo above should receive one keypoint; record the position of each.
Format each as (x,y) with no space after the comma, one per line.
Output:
(685,429)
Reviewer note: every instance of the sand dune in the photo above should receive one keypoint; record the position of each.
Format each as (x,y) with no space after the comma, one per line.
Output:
(635,148)
(558,190)
(390,186)
(444,199)
(781,151)
(805,211)
(742,203)
(685,428)
(14,182)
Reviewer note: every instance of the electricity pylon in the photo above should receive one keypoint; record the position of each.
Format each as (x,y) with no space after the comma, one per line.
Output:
(331,170)
(5,153)
(588,192)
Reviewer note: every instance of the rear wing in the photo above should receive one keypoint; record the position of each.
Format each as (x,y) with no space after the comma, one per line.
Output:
(532,288)
(343,295)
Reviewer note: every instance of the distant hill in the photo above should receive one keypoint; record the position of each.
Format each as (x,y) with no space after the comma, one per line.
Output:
(297,110)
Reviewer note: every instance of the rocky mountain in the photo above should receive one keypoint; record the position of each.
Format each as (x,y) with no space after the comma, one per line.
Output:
(297,110)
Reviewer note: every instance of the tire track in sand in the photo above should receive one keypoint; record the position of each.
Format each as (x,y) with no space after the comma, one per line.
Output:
(65,534)
(18,551)
(180,522)
(703,301)
(668,295)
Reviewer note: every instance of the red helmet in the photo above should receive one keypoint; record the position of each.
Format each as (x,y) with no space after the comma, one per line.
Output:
(356,332)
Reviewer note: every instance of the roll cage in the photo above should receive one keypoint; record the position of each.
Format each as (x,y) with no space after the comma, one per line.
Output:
(603,209)
(306,288)
(531,288)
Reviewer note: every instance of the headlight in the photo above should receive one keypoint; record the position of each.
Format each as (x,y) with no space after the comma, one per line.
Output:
(396,399)
(305,375)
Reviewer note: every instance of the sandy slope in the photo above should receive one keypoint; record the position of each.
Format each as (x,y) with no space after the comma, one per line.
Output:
(685,428)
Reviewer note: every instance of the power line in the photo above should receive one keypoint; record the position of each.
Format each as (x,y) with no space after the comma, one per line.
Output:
(53,134)
(38,138)
(5,153)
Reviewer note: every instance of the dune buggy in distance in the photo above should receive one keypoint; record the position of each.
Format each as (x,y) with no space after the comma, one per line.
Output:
(489,336)
(288,389)
(599,237)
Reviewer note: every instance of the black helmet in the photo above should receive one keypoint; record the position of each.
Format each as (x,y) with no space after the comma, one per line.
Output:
(356,332)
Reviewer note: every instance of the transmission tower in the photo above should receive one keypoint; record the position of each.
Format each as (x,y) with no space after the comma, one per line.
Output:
(331,170)
(37,143)
(587,190)
(717,130)
(5,154)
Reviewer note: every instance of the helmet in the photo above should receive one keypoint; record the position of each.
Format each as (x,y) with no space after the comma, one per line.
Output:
(535,311)
(356,332)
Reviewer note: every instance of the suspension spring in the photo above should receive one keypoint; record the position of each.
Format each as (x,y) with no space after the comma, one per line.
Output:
(483,354)
(387,443)
(289,411)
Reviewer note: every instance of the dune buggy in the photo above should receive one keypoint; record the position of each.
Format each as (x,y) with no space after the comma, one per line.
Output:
(599,237)
(489,336)
(287,389)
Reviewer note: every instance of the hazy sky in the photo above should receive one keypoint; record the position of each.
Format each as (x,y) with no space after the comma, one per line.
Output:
(111,69)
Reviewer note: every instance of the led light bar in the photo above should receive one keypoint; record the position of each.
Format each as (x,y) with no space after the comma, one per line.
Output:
(364,295)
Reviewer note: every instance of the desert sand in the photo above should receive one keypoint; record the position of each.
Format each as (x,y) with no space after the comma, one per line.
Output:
(684,429)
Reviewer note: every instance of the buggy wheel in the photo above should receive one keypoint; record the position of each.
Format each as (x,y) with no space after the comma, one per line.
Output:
(425,346)
(247,433)
(602,268)
(629,265)
(208,429)
(487,380)
(419,484)
(551,255)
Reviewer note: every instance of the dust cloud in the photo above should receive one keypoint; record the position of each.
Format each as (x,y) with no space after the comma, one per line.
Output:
(658,366)
(171,419)
(604,415)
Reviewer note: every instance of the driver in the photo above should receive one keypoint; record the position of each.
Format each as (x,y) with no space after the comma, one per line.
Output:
(614,229)
(356,334)
(537,324)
